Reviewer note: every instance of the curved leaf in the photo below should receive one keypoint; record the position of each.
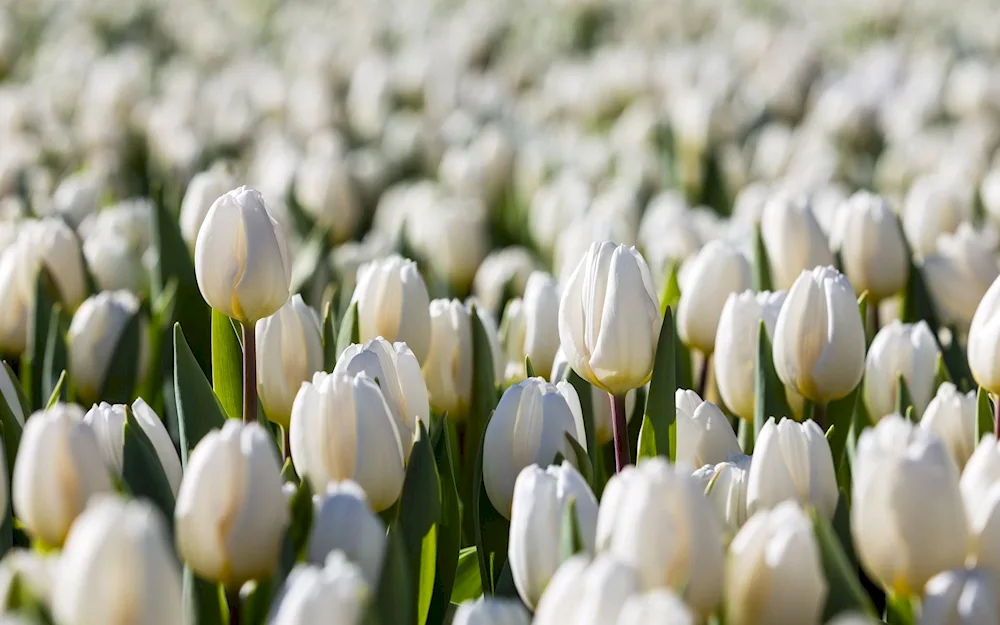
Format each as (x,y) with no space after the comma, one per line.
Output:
(227,365)
(198,409)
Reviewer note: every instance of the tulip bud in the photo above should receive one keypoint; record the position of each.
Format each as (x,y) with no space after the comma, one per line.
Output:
(503,273)
(587,591)
(712,275)
(344,523)
(531,328)
(115,263)
(50,242)
(336,593)
(983,345)
(960,272)
(118,563)
(600,403)
(540,501)
(907,350)
(638,506)
(704,435)
(231,515)
(451,235)
(655,607)
(491,612)
(793,238)
(529,426)
(16,285)
(324,189)
(871,245)
(203,190)
(981,493)
(726,488)
(392,303)
(609,318)
(241,257)
(77,196)
(952,416)
(343,429)
(58,468)
(961,597)
(933,206)
(819,340)
(108,423)
(774,573)
(900,540)
(33,570)
(94,336)
(289,352)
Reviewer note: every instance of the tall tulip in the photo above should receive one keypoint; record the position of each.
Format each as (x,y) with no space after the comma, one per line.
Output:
(952,416)
(392,303)
(726,488)
(871,245)
(715,272)
(600,403)
(961,597)
(531,327)
(794,240)
(587,591)
(656,607)
(491,612)
(984,340)
(335,593)
(205,187)
(503,273)
(960,272)
(704,435)
(344,522)
(981,494)
(907,350)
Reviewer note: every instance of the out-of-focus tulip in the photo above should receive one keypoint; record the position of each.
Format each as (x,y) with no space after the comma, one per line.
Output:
(655,607)
(655,518)
(871,245)
(529,426)
(793,238)
(726,487)
(980,485)
(774,573)
(241,257)
(933,207)
(51,243)
(77,196)
(509,269)
(600,403)
(118,562)
(983,345)
(900,349)
(115,263)
(336,593)
(343,522)
(960,271)
(536,524)
(792,461)
(203,190)
(952,416)
(231,513)
(324,189)
(587,591)
(715,272)
(94,334)
(901,541)
(58,468)
(961,597)
(451,235)
(289,352)
(491,612)
(393,303)
(531,327)
(108,423)
(34,571)
(609,318)
(343,429)
(819,340)
(704,435)
(18,298)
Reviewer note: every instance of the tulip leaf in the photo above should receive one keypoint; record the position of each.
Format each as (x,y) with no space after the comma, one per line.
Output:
(391,603)
(159,333)
(56,355)
(18,390)
(868,321)
(482,403)
(903,400)
(202,600)
(468,583)
(58,391)
(142,472)
(917,304)
(646,447)
(288,474)
(529,369)
(761,263)
(900,609)
(955,361)
(198,409)
(227,365)
(348,333)
(584,393)
(309,260)
(845,591)
(570,536)
(769,393)
(11,429)
(419,518)
(329,340)
(671,294)
(122,376)
(581,460)
(660,410)
(984,414)
(301,221)
(505,587)
(449,536)
(840,415)
(300,505)
(39,323)
(490,527)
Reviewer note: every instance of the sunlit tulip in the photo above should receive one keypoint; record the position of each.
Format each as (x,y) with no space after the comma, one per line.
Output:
(600,403)
(451,235)
(960,271)
(609,318)
(587,591)
(335,593)
(393,303)
(871,245)
(241,257)
(792,461)
(819,340)
(655,607)
(118,562)
(115,263)
(713,274)
(726,488)
(77,196)
(952,416)
(203,190)
(983,346)
(503,273)
(704,435)
(933,207)
(907,350)
(343,522)
(231,515)
(491,612)
(793,238)
(531,327)
(51,243)
(961,597)
(324,189)
(980,484)
(33,570)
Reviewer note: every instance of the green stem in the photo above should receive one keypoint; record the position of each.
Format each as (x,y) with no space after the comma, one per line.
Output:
(249,374)
(235,605)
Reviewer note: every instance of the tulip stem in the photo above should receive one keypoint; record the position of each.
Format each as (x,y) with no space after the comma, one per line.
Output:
(703,375)
(620,431)
(235,607)
(819,415)
(996,417)
(249,374)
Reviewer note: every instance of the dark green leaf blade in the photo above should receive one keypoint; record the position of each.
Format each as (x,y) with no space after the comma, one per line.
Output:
(198,409)
(769,392)
(142,472)
(449,536)
(348,334)
(329,340)
(419,518)
(984,414)
(227,365)
(121,379)
(845,591)
(660,405)
(761,262)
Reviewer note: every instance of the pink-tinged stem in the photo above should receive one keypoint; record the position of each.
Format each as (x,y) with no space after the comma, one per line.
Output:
(620,429)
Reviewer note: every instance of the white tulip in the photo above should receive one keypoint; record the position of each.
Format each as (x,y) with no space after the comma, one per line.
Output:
(289,352)
(704,435)
(451,235)
(108,423)
(961,597)
(335,593)
(58,468)
(871,245)
(536,524)
(961,271)
(983,345)
(94,335)
(587,591)
(609,318)
(491,612)
(726,488)
(343,429)
(529,426)
(900,540)
(774,573)
(203,190)
(793,238)
(933,206)
(231,514)
(34,571)
(819,339)
(600,403)
(655,518)
(531,327)
(344,522)
(117,563)
(508,268)
(77,196)
(51,243)
(952,416)
(563,200)
(980,485)
(711,276)
(393,303)
(115,263)
(241,257)
(907,350)
(656,607)
(324,189)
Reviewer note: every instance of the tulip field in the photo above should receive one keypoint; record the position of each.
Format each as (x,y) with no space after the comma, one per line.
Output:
(466,312)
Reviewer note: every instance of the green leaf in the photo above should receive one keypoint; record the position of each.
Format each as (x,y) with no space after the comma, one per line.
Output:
(39,322)
(449,535)
(198,409)
(202,600)
(660,409)
(142,472)
(56,359)
(583,392)
(419,517)
(58,391)
(984,414)
(900,609)
(956,362)
(581,459)
(570,537)
(11,429)
(671,294)
(348,334)
(529,370)
(482,403)
(301,506)
(468,583)
(845,591)
(769,392)
(903,400)
(867,320)
(329,341)
(301,221)
(391,602)
(761,262)
(19,390)
(227,365)
(840,415)
(121,379)
(491,528)
(917,304)
(160,333)
(309,261)
(647,440)
(505,587)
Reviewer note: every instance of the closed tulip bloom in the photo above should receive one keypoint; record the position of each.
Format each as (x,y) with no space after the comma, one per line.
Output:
(203,190)
(901,541)
(491,612)
(792,461)
(871,245)
(289,352)
(961,597)
(241,257)
(980,485)
(58,468)
(115,263)
(933,206)
(819,340)
(16,284)
(531,327)
(774,573)
(587,591)
(118,563)
(952,416)
(655,518)
(33,570)
(529,426)
(609,318)
(600,403)
(793,238)
(108,423)
(726,488)
(960,272)
(715,272)
(324,189)
(231,515)
(983,345)
(656,607)
(343,522)
(899,349)
(335,593)
(50,242)
(393,303)
(536,524)
(503,273)
(343,429)
(704,435)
